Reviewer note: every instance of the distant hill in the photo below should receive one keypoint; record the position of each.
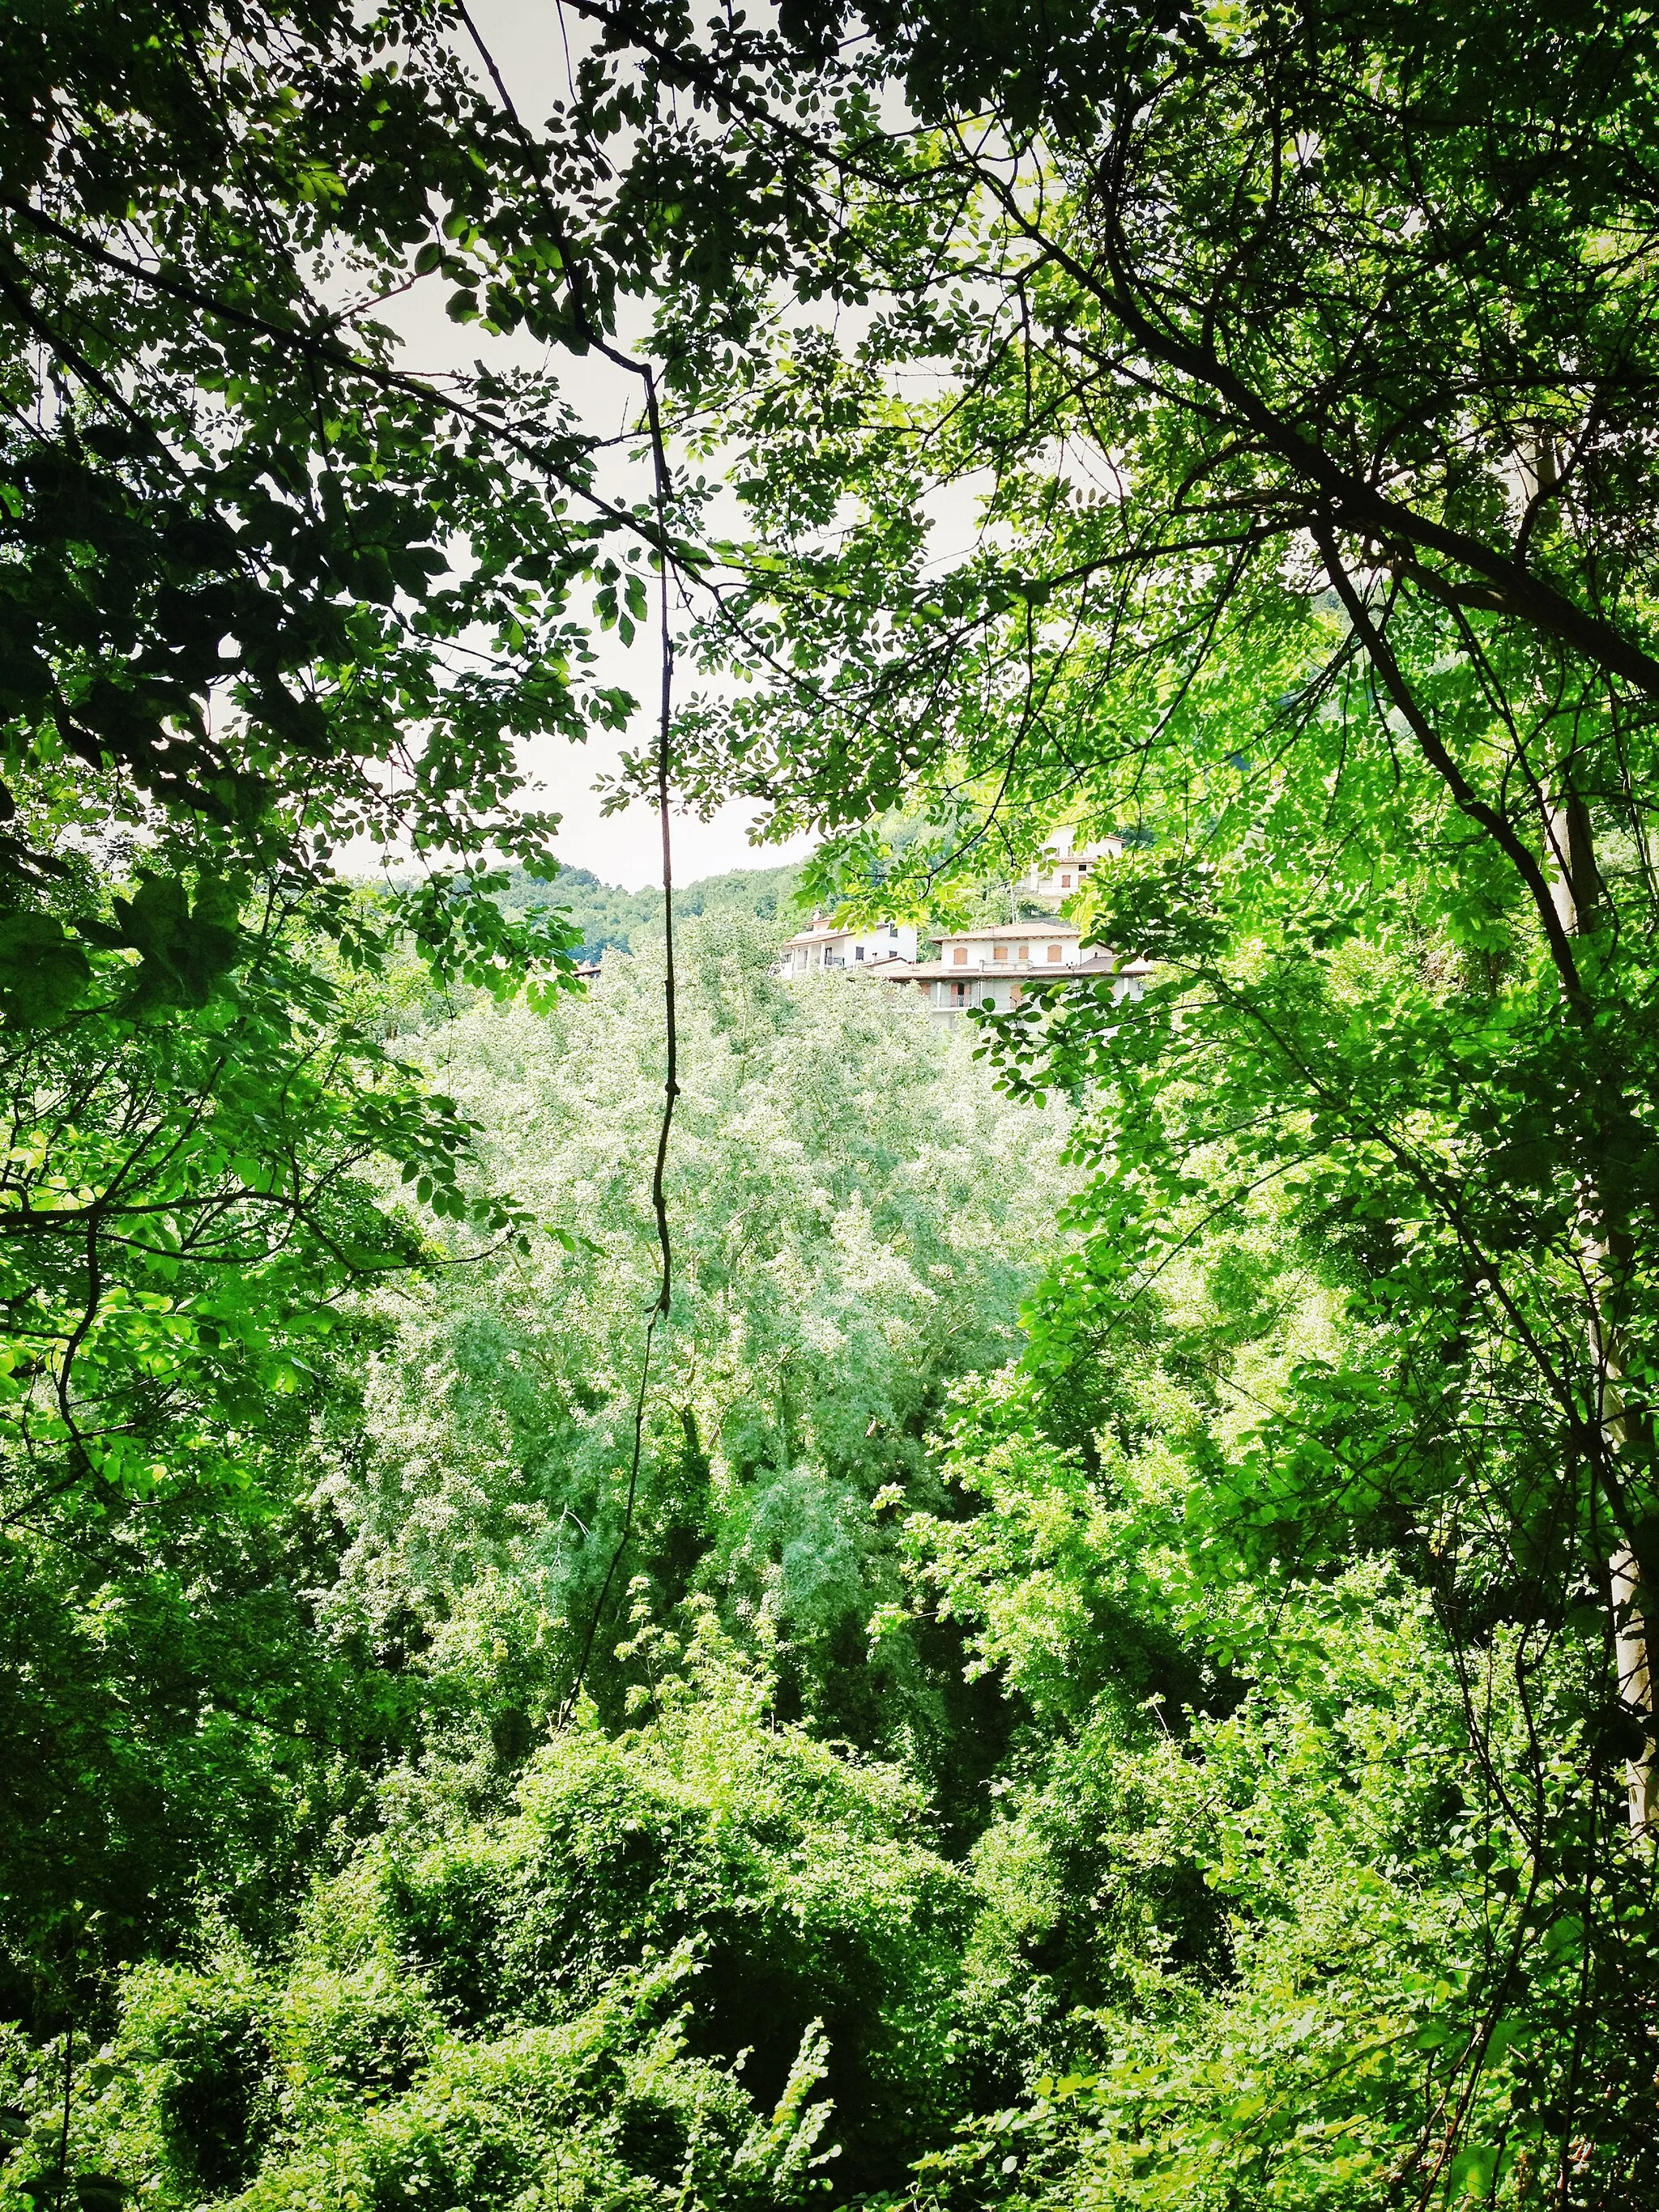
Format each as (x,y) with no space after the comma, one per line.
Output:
(607,914)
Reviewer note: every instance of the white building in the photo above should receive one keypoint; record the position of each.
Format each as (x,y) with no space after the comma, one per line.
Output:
(991,968)
(994,968)
(1062,869)
(826,944)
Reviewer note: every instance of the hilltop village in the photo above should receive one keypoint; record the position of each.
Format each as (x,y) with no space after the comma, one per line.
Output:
(989,967)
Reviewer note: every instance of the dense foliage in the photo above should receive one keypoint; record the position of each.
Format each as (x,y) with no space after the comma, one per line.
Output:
(955,1783)
(859,1215)
(691,1595)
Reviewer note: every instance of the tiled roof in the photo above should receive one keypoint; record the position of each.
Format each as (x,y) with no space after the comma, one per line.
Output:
(1039,925)
(836,936)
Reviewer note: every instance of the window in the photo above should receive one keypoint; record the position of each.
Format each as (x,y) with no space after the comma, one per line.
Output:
(1025,952)
(1000,952)
(1065,883)
(893,929)
(857,952)
(960,956)
(1053,952)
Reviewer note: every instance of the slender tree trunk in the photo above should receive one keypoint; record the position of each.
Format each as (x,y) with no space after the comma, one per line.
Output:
(1635,1685)
(1574,888)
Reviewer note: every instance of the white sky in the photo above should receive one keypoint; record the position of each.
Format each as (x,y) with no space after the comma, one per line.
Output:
(524,37)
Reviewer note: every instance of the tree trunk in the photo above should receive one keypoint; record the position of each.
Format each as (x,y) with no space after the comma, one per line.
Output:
(1567,829)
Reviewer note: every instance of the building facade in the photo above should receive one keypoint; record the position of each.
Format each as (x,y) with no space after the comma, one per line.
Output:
(1062,869)
(991,968)
(824,944)
(994,968)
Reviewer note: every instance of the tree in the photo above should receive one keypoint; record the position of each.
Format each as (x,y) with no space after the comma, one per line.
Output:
(1295,368)
(267,594)
(857,1217)
(191,1198)
(269,591)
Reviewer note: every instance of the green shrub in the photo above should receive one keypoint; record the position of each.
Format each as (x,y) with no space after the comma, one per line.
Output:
(798,1876)
(608,2109)
(710,1963)
(197,2045)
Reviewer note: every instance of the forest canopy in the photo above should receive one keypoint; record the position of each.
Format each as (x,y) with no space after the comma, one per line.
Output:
(698,1589)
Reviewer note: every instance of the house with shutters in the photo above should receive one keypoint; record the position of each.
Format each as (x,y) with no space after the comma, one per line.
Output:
(1061,869)
(991,968)
(994,968)
(825,944)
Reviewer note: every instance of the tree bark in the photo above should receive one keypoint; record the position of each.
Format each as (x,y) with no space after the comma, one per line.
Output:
(1574,888)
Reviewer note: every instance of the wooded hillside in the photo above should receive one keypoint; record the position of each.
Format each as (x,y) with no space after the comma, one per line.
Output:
(702,1594)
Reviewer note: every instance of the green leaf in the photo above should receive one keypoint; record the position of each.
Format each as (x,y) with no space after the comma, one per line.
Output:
(43,973)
